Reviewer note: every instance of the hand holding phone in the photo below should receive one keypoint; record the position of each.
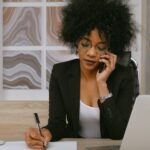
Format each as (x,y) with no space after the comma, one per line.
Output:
(101,67)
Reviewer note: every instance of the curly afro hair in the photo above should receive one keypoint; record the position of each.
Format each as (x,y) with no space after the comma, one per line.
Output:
(111,17)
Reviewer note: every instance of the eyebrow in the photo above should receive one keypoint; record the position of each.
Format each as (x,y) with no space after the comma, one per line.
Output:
(86,38)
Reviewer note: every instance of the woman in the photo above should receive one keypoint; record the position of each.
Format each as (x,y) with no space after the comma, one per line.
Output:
(90,97)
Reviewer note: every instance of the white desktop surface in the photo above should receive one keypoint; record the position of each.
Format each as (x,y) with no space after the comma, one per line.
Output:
(21,145)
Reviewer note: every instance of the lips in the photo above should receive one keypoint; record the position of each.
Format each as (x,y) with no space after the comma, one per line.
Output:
(89,62)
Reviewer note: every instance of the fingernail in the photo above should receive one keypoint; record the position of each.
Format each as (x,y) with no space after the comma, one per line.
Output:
(45,143)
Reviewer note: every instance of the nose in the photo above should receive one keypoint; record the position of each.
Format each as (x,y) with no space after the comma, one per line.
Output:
(91,52)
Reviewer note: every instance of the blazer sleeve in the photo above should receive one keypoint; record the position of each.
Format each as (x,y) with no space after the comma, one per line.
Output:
(56,121)
(115,111)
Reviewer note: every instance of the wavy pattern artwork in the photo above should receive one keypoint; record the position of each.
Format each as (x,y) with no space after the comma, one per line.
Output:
(22,70)
(22,26)
(53,57)
(53,25)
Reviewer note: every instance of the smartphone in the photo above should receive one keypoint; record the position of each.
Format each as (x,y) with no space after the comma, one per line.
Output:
(101,66)
(123,60)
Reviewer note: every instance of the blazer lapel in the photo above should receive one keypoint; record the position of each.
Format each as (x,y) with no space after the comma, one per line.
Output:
(74,88)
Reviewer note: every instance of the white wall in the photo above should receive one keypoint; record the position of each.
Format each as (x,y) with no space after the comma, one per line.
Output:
(136,6)
(146,47)
(1,66)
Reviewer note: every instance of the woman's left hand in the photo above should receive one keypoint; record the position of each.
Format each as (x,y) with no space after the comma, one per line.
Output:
(109,59)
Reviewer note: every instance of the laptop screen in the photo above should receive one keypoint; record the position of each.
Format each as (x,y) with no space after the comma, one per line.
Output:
(137,134)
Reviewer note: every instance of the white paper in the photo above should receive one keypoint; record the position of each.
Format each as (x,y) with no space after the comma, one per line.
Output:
(21,145)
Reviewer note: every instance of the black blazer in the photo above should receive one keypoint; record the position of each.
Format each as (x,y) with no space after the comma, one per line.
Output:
(65,96)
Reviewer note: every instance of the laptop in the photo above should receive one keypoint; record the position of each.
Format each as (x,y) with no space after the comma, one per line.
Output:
(137,134)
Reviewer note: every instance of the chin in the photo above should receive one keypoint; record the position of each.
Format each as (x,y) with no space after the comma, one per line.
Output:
(89,68)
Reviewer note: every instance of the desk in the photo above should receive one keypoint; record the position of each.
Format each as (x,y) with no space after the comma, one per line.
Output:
(83,143)
(16,117)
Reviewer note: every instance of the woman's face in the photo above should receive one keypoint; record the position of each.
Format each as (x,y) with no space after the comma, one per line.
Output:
(90,48)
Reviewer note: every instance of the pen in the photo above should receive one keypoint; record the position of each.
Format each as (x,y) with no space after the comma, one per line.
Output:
(37,120)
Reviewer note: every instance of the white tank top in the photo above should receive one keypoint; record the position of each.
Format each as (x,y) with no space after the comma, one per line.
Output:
(89,118)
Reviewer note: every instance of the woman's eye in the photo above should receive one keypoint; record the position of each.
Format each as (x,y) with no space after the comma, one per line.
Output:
(85,44)
(102,47)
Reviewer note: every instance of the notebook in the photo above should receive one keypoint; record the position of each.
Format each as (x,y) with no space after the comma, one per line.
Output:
(137,134)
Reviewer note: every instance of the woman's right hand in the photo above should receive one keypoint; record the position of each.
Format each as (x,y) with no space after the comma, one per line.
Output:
(35,141)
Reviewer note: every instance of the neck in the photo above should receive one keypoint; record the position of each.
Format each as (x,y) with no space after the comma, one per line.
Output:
(87,75)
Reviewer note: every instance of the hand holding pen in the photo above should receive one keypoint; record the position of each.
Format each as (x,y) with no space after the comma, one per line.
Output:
(33,137)
(37,120)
